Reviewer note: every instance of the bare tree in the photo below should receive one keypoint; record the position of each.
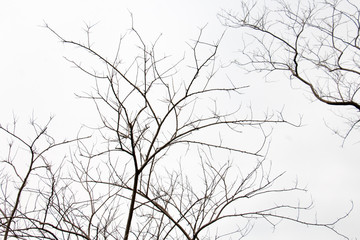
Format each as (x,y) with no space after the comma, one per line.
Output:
(165,162)
(315,42)
(25,172)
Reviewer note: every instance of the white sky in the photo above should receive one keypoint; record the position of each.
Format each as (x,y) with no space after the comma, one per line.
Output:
(35,78)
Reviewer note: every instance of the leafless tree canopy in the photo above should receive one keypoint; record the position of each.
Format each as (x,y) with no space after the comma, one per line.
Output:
(315,42)
(164,162)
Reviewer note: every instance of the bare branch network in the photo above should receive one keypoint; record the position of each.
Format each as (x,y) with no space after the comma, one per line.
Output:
(315,42)
(152,169)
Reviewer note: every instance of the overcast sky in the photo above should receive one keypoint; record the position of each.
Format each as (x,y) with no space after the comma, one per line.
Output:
(34,77)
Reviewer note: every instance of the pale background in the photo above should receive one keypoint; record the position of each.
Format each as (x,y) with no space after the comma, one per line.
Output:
(34,78)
